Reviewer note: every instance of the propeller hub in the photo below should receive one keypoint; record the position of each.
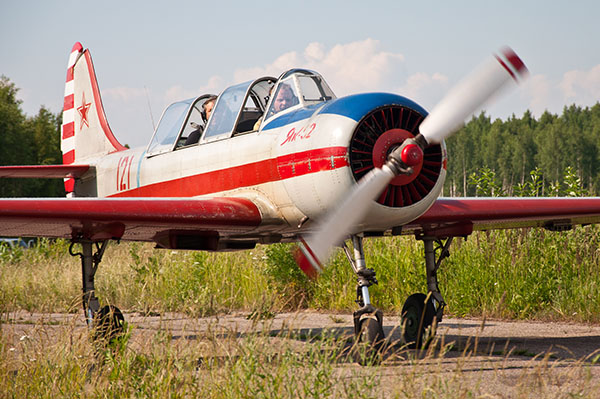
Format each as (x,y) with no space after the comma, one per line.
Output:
(412,155)
(386,144)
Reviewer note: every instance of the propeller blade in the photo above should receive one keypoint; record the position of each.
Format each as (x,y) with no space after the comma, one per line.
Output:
(445,119)
(471,93)
(317,247)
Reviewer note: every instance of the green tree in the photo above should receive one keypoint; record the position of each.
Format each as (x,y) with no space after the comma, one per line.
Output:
(27,141)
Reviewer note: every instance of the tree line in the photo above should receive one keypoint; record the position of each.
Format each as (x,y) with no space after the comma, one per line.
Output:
(547,156)
(28,140)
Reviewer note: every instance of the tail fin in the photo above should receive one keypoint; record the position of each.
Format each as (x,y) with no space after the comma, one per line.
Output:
(85,131)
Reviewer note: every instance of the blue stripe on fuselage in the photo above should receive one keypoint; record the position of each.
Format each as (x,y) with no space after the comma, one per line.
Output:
(354,107)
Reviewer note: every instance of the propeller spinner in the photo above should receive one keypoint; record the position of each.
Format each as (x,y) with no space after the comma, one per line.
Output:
(464,99)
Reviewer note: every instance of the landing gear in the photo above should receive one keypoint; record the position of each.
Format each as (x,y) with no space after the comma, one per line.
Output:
(421,313)
(368,321)
(106,323)
(417,319)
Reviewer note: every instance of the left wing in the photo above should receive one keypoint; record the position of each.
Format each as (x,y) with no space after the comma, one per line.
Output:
(161,220)
(453,217)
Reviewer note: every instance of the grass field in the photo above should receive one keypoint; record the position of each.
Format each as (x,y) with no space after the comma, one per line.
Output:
(57,360)
(525,274)
(506,274)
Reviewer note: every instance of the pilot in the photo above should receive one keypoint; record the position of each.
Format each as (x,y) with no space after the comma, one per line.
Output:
(207,108)
(285,99)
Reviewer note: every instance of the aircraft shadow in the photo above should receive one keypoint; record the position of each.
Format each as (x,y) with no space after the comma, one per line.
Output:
(448,346)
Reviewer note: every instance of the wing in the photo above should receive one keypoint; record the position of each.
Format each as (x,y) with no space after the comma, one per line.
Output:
(460,216)
(44,171)
(171,223)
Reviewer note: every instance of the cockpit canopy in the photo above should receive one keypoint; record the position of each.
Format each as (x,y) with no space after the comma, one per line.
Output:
(242,108)
(238,108)
(298,88)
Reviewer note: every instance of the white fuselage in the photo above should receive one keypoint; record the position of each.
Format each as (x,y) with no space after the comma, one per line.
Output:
(291,172)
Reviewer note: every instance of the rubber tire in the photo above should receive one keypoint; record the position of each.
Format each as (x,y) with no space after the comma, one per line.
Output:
(369,343)
(417,317)
(108,324)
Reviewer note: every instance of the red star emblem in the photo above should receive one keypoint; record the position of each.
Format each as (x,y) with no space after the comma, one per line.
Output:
(83,112)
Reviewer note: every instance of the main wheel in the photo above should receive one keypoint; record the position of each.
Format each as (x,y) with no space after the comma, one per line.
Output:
(417,320)
(369,342)
(108,324)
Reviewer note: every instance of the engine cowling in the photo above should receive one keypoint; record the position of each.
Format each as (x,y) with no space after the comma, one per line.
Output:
(369,126)
(377,134)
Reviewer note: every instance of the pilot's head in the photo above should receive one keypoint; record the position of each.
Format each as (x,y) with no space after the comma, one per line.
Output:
(208,107)
(285,98)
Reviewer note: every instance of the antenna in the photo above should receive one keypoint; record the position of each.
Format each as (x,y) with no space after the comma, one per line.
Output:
(149,108)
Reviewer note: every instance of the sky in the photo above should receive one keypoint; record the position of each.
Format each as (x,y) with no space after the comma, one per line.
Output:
(150,54)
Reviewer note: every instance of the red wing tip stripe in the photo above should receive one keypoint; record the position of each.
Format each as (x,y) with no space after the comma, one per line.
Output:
(77,47)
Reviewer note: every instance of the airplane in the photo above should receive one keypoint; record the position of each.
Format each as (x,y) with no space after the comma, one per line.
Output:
(279,159)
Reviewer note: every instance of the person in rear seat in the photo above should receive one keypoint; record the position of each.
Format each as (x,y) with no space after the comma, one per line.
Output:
(207,108)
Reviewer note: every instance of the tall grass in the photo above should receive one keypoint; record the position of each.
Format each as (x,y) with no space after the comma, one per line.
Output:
(261,366)
(509,274)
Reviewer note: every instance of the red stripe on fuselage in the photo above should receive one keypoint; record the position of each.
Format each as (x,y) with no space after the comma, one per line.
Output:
(251,174)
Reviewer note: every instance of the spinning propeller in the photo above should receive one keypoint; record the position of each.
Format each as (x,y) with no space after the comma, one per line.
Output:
(464,99)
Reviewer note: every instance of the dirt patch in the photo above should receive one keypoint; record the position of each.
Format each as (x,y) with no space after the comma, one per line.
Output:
(501,358)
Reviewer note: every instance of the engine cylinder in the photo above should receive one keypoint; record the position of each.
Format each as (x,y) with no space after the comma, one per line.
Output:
(377,134)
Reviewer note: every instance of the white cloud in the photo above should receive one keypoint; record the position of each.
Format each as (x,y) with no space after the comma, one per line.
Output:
(424,88)
(124,93)
(178,92)
(581,86)
(348,68)
(542,93)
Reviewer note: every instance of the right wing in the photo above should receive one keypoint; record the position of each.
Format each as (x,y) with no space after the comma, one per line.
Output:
(461,216)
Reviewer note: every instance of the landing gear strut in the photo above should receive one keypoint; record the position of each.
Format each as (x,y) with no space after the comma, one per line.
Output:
(421,313)
(368,321)
(106,323)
